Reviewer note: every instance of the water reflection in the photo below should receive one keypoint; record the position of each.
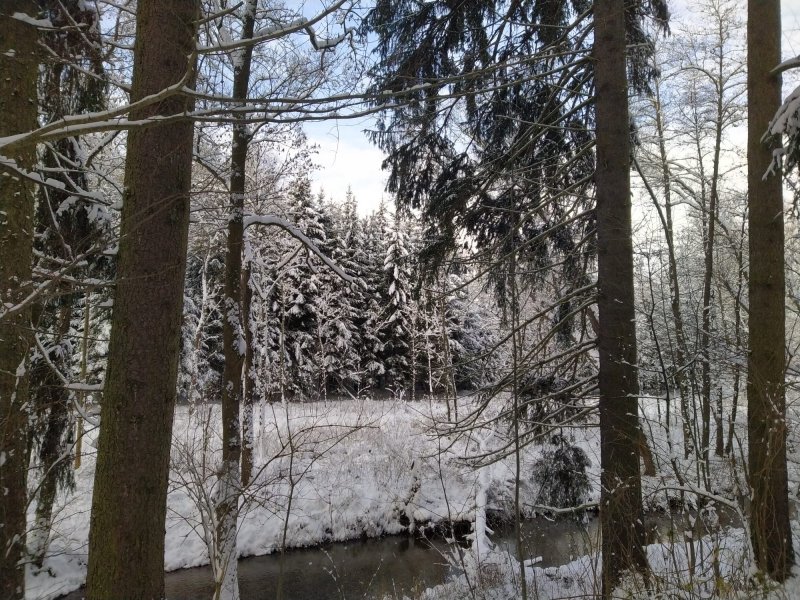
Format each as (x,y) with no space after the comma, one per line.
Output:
(393,566)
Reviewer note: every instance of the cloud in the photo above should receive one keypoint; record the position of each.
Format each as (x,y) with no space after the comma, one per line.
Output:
(347,158)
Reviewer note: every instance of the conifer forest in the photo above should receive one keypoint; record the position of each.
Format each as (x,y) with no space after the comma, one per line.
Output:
(541,347)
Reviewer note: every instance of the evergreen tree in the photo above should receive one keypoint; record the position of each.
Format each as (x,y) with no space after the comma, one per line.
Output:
(19,68)
(71,227)
(372,332)
(397,328)
(126,540)
(356,263)
(296,298)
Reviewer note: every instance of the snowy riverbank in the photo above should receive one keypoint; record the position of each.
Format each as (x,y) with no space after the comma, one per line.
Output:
(358,468)
(355,468)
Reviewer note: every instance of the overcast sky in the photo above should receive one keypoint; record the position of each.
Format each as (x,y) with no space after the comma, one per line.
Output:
(347,158)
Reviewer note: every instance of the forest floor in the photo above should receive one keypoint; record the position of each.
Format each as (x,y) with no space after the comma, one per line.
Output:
(352,468)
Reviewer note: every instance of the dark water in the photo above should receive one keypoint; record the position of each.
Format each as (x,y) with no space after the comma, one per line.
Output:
(391,566)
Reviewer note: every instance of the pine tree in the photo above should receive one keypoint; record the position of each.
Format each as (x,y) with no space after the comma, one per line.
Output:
(339,335)
(356,263)
(68,226)
(297,302)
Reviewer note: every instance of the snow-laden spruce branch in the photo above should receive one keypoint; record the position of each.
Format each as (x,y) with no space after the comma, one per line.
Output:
(785,122)
(271,220)
(43,24)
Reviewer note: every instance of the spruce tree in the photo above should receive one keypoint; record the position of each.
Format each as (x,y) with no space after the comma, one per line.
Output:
(126,540)
(19,68)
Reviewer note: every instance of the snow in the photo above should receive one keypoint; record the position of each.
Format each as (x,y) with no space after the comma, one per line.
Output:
(40,23)
(349,468)
(359,467)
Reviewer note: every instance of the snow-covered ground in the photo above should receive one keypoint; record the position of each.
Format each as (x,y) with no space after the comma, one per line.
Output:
(353,468)
(358,467)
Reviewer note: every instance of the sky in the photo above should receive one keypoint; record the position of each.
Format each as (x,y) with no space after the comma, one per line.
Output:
(347,159)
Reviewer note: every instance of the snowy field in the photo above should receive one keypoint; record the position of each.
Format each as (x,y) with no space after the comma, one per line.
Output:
(346,469)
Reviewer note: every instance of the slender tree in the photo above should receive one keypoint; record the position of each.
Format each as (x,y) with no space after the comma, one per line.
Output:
(19,69)
(766,401)
(126,541)
(621,514)
(233,334)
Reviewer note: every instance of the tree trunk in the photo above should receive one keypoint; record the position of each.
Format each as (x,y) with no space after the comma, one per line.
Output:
(705,333)
(126,540)
(54,454)
(248,437)
(19,68)
(233,335)
(50,455)
(737,328)
(621,502)
(766,401)
(681,351)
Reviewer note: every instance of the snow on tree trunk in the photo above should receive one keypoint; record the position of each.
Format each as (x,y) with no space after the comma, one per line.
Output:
(481,545)
(225,559)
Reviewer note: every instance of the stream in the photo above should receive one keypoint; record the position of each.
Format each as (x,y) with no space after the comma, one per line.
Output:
(391,565)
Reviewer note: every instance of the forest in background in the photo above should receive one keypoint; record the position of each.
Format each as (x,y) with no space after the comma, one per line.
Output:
(554,262)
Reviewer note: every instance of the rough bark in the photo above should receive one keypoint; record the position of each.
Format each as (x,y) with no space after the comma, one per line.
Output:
(126,540)
(18,113)
(766,401)
(621,502)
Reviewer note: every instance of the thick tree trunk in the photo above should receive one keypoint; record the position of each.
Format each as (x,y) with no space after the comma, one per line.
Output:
(126,540)
(766,402)
(621,502)
(19,69)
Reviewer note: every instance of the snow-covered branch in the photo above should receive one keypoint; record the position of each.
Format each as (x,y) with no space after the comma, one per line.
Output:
(289,228)
(280,30)
(787,65)
(90,122)
(73,386)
